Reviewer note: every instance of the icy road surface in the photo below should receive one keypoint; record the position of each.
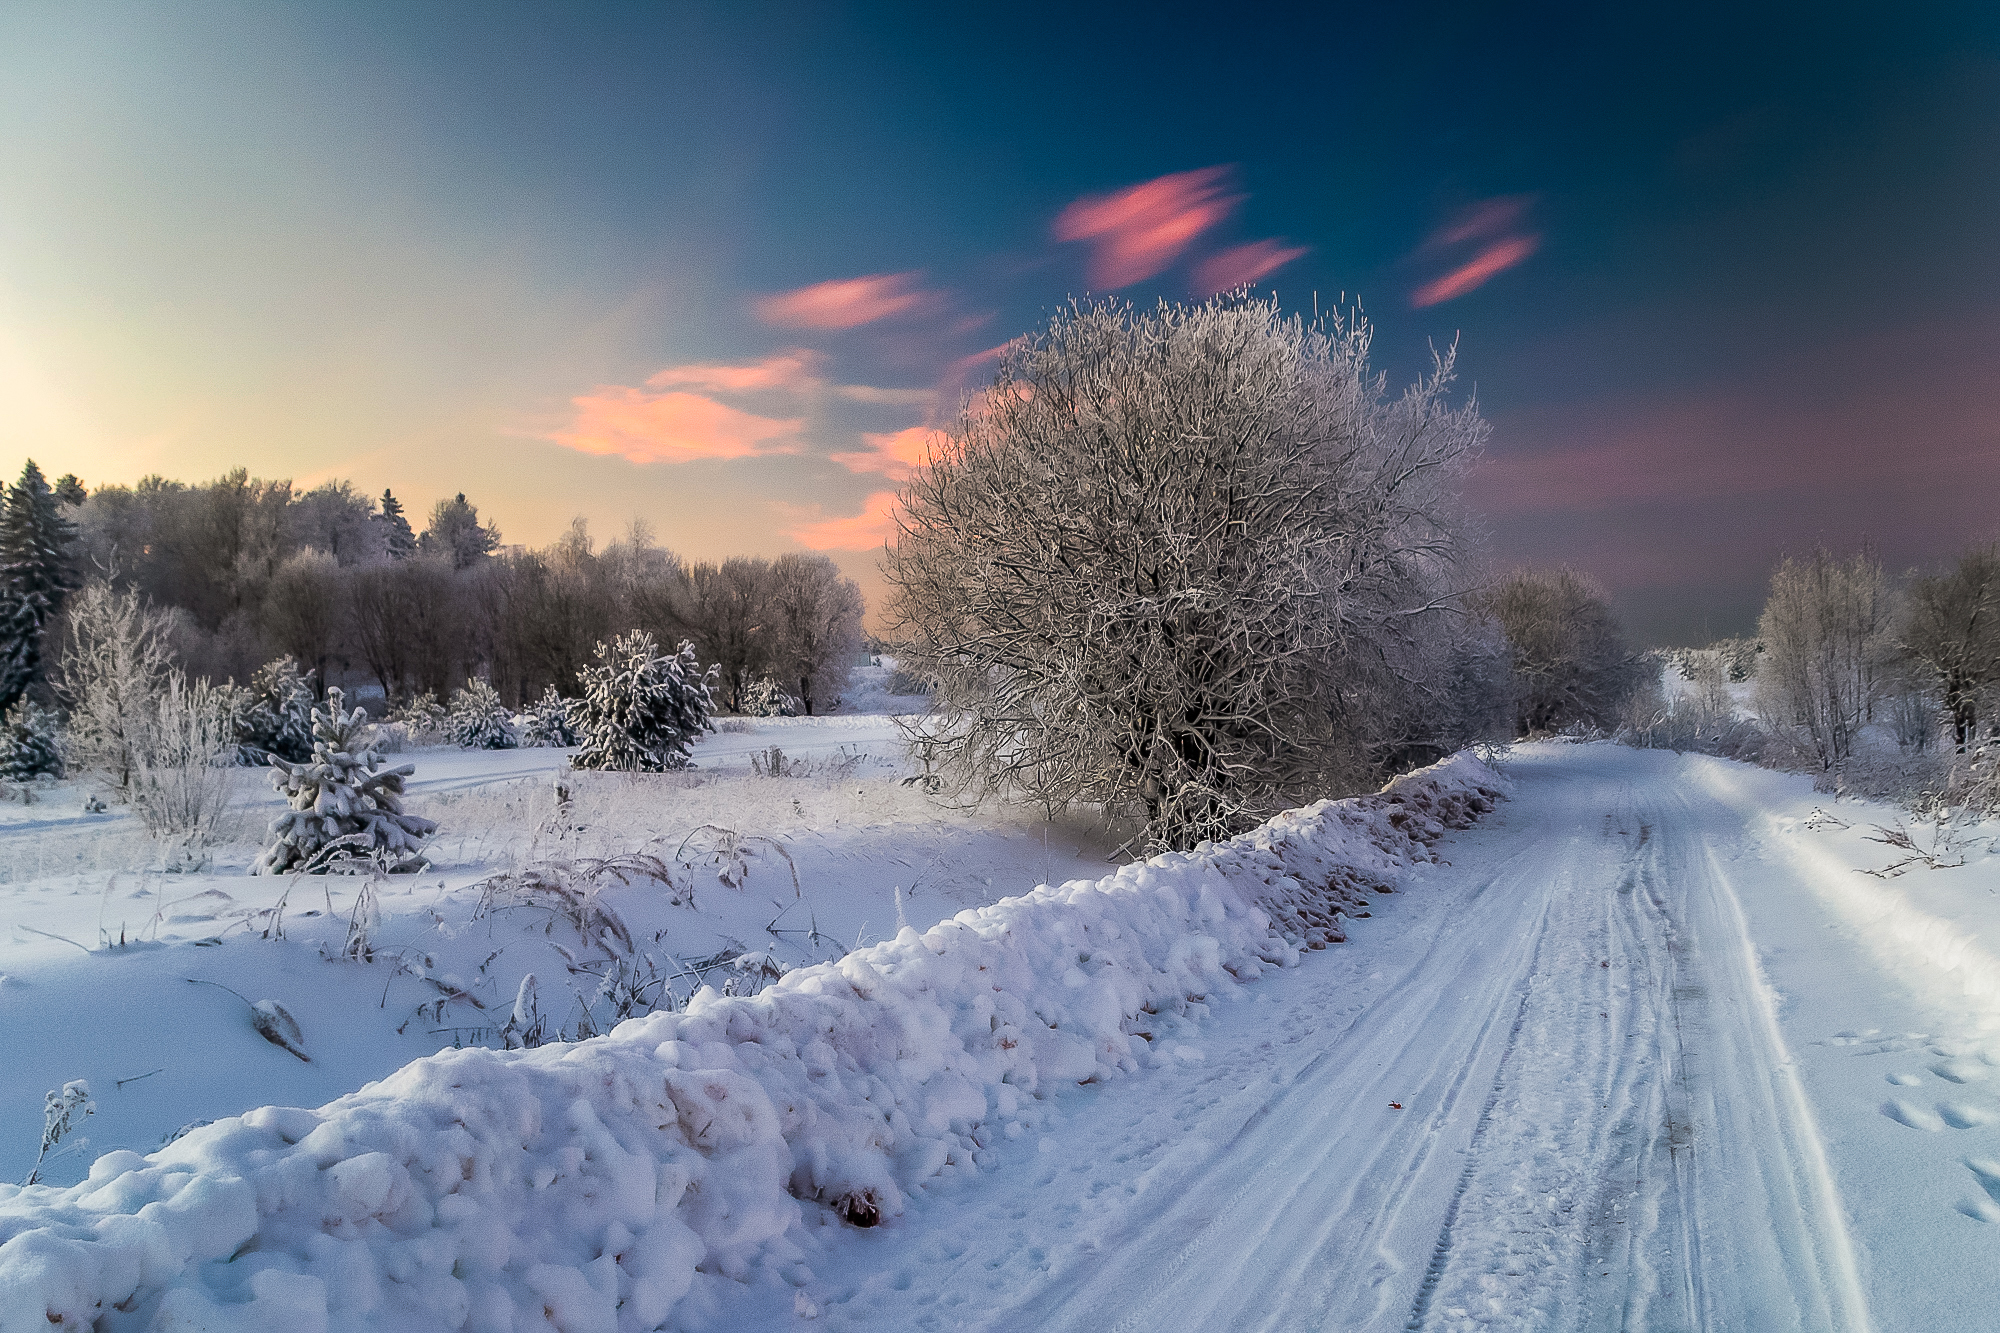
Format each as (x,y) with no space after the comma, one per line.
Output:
(1599,1072)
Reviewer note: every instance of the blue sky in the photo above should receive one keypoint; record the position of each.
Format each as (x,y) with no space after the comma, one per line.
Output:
(1723,277)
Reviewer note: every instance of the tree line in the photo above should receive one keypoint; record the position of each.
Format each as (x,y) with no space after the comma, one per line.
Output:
(249,570)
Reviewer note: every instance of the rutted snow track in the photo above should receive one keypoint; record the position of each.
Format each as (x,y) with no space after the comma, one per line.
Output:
(1546,1089)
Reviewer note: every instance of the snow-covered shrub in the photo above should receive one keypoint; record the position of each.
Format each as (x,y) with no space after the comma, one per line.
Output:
(423,717)
(344,805)
(767,698)
(477,720)
(273,716)
(30,743)
(181,778)
(641,708)
(546,722)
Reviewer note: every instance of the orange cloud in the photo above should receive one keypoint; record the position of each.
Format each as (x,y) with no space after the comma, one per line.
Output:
(846,303)
(874,525)
(1142,229)
(1242,264)
(894,454)
(795,369)
(1495,259)
(674,427)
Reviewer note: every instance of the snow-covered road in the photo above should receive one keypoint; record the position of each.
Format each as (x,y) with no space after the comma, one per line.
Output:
(1548,1086)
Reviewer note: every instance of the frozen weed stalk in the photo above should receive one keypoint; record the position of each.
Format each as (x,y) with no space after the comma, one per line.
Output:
(59,1112)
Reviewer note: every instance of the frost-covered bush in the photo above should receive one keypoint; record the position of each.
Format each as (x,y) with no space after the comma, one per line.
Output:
(477,720)
(30,743)
(767,698)
(181,770)
(423,718)
(344,804)
(641,708)
(273,716)
(546,722)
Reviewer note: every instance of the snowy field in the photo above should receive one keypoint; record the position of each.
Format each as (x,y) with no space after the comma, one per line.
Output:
(1642,1048)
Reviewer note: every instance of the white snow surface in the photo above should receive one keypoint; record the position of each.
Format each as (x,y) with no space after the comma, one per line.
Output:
(583,1186)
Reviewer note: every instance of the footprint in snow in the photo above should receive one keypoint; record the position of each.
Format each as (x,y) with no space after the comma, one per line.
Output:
(1958,1071)
(1954,1115)
(1905,1080)
(1987,1173)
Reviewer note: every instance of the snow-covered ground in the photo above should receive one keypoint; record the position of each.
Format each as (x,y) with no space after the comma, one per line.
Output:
(1644,1049)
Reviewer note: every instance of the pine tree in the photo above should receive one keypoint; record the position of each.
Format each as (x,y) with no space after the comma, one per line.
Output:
(477,720)
(30,743)
(546,722)
(34,577)
(274,715)
(767,698)
(641,709)
(397,539)
(344,805)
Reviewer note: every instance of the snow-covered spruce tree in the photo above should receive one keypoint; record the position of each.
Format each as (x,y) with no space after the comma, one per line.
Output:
(641,708)
(767,698)
(477,720)
(274,715)
(30,743)
(35,576)
(344,805)
(546,722)
(1175,561)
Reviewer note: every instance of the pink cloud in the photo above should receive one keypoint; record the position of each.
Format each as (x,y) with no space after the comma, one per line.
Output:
(874,525)
(795,369)
(1495,259)
(894,454)
(1242,264)
(1140,230)
(1488,217)
(673,427)
(846,303)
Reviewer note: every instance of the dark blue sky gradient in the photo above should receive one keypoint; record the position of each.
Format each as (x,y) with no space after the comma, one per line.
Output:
(1763,310)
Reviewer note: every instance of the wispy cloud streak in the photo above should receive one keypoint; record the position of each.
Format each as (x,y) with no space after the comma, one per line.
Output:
(1139,231)
(1494,225)
(1243,264)
(846,303)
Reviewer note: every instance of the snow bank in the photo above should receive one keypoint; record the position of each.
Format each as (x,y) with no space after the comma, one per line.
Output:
(580,1187)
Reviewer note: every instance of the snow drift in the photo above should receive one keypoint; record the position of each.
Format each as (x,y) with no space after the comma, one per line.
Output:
(580,1187)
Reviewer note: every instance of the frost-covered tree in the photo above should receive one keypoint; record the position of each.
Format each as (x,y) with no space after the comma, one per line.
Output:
(815,619)
(115,665)
(1952,630)
(344,806)
(477,720)
(546,722)
(641,709)
(336,519)
(304,609)
(1825,629)
(30,742)
(1571,663)
(456,534)
(1175,560)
